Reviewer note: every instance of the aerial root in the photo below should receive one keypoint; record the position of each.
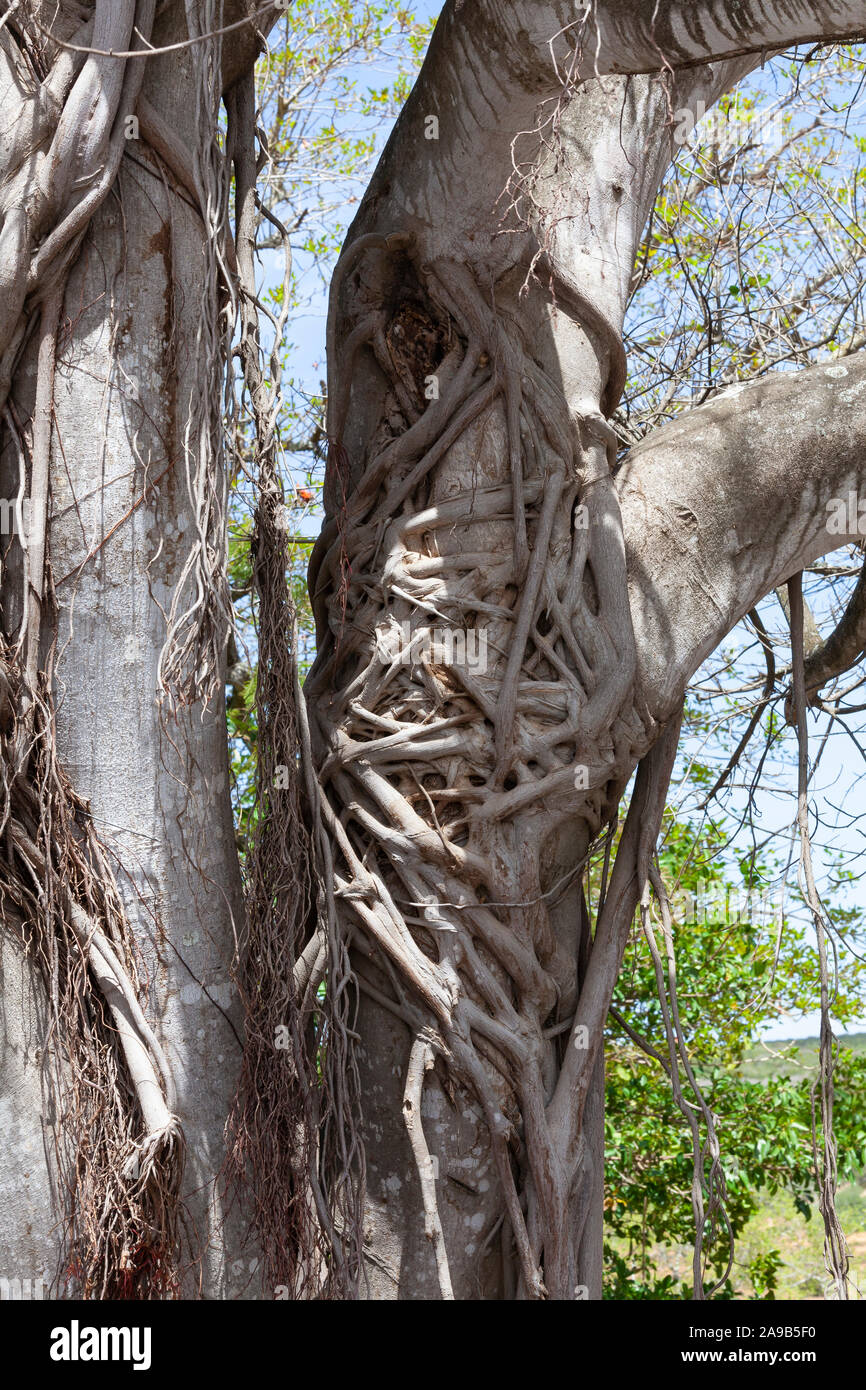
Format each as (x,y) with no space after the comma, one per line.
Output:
(422,1059)
(434,762)
(119,1146)
(836,1254)
(293,1143)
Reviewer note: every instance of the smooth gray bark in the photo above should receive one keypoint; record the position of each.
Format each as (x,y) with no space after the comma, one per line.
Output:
(121,527)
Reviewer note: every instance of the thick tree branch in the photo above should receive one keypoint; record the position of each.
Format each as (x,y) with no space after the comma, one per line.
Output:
(633,36)
(721,506)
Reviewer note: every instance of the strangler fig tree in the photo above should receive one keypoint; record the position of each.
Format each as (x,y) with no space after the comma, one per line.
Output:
(508,613)
(477,504)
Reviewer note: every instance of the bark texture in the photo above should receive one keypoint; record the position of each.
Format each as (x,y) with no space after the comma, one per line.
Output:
(127,419)
(475,358)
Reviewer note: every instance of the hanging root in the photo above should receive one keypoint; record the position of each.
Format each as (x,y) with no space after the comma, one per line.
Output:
(421,1060)
(199,618)
(708,1188)
(835,1248)
(118,1145)
(293,1142)
(475,653)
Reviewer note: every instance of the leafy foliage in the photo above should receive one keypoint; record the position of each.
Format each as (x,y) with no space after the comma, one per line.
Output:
(729,991)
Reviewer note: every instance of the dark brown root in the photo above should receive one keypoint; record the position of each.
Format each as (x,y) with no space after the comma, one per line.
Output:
(293,1144)
(118,1147)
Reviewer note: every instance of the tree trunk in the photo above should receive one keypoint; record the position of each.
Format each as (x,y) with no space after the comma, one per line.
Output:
(128,377)
(500,643)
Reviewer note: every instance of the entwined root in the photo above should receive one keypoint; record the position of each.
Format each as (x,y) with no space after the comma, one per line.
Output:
(474,690)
